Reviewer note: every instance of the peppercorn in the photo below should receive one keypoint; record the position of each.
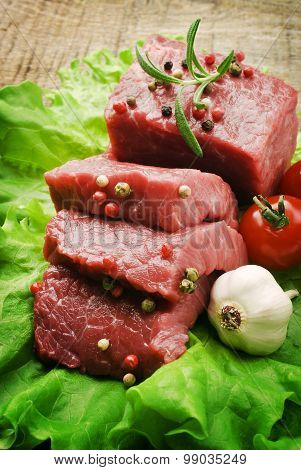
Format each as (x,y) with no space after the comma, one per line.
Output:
(130,362)
(159,82)
(129,380)
(207,125)
(152,86)
(184,64)
(117,292)
(184,191)
(122,189)
(166,111)
(108,283)
(235,69)
(248,72)
(35,287)
(102,181)
(119,107)
(192,274)
(217,114)
(166,251)
(177,74)
(131,101)
(168,65)
(148,305)
(112,210)
(103,344)
(187,286)
(198,114)
(99,196)
(208,88)
(239,55)
(209,59)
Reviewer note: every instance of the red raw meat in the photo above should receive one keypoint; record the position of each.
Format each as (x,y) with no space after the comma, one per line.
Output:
(133,253)
(71,314)
(250,147)
(154,200)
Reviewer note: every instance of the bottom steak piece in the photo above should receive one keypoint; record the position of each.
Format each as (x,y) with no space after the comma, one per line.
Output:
(72,313)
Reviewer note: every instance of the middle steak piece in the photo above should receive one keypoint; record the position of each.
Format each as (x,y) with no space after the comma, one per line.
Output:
(145,259)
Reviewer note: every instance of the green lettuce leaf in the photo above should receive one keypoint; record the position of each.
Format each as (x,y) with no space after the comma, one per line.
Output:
(210,398)
(41,129)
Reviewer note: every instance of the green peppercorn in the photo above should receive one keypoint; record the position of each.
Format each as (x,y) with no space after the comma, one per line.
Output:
(108,283)
(187,286)
(122,189)
(129,380)
(235,69)
(177,74)
(159,82)
(131,101)
(192,274)
(152,86)
(207,125)
(148,305)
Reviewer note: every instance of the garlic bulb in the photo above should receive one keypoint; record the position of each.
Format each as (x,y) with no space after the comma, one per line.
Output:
(250,310)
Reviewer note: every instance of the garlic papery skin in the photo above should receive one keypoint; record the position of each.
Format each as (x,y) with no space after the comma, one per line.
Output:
(250,311)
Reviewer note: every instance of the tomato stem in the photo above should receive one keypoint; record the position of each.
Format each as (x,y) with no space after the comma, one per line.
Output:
(277,219)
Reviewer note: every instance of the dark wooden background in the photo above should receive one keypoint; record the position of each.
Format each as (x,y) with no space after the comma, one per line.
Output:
(39,36)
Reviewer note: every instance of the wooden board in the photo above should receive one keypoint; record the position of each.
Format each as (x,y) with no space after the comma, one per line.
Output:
(39,36)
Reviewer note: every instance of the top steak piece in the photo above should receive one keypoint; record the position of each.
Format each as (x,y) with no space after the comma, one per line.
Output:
(133,253)
(154,200)
(71,314)
(250,147)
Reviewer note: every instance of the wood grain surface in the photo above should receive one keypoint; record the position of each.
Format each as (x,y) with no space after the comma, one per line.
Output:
(39,36)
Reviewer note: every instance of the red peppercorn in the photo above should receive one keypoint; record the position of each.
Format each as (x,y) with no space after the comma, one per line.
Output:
(130,362)
(117,292)
(99,196)
(198,114)
(217,114)
(119,107)
(35,287)
(209,59)
(239,56)
(112,210)
(166,251)
(248,72)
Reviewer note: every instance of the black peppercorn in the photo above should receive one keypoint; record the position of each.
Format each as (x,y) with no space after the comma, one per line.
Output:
(235,69)
(166,111)
(207,125)
(168,65)
(184,64)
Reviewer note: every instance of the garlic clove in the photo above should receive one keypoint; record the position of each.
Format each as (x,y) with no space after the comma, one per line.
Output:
(249,310)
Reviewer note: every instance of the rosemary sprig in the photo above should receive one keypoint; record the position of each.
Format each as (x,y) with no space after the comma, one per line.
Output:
(200,77)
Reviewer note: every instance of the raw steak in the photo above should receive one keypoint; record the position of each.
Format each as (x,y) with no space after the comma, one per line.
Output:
(71,314)
(154,200)
(250,147)
(133,253)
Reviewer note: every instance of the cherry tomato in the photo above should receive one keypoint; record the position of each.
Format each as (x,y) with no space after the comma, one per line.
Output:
(268,246)
(291,182)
